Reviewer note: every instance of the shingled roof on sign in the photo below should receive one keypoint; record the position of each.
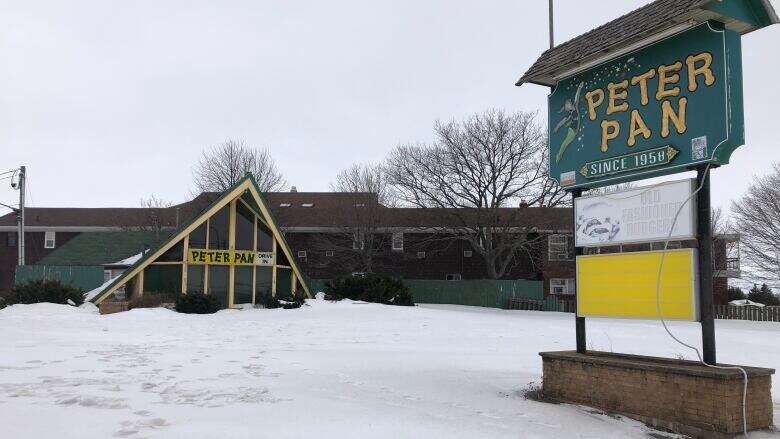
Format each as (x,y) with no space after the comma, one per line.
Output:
(652,21)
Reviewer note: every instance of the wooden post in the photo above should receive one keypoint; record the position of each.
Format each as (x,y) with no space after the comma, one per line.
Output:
(231,248)
(140,284)
(185,250)
(206,267)
(273,270)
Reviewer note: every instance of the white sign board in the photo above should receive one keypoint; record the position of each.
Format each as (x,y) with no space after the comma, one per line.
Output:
(265,258)
(636,215)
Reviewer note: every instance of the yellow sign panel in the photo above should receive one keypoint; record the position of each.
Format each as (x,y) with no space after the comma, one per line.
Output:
(623,285)
(229,257)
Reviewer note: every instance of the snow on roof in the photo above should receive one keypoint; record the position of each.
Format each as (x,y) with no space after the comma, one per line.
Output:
(129,261)
(89,295)
(745,302)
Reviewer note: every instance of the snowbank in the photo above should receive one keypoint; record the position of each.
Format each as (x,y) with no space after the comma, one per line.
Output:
(329,369)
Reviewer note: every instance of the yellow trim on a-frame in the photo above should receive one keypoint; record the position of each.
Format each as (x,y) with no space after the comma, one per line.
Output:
(229,198)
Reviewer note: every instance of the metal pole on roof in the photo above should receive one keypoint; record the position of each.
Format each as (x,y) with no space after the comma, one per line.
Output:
(550,14)
(20,215)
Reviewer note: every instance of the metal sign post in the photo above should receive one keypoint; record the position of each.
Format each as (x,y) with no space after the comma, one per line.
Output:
(579,321)
(704,234)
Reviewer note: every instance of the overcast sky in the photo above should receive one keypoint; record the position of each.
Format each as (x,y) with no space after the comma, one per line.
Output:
(108,102)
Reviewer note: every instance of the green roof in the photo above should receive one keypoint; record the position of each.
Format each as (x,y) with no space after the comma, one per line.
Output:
(98,248)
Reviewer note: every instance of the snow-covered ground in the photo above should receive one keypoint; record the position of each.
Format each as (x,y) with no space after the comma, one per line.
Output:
(341,370)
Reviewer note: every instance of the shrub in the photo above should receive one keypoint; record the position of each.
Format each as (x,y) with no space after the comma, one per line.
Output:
(197,304)
(149,301)
(735,294)
(37,291)
(288,302)
(763,295)
(296,302)
(375,288)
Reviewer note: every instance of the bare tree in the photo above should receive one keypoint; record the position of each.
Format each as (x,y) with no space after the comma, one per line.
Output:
(358,239)
(756,216)
(476,174)
(366,178)
(225,164)
(154,215)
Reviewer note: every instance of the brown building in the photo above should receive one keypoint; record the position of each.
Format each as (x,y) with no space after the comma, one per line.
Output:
(330,234)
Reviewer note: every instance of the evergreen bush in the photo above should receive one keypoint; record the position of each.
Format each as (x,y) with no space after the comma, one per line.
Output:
(376,288)
(763,295)
(736,293)
(197,304)
(37,291)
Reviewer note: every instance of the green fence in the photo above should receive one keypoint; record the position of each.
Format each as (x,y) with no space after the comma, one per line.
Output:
(84,277)
(483,292)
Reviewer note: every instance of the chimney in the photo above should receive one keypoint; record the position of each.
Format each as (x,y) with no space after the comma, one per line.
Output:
(293,189)
(523,204)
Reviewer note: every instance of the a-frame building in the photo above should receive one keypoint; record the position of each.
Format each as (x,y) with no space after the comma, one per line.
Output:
(233,250)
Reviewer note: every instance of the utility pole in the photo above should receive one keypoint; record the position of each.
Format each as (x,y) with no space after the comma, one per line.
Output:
(20,214)
(550,14)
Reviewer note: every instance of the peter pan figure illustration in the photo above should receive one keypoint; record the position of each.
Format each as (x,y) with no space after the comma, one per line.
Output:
(571,121)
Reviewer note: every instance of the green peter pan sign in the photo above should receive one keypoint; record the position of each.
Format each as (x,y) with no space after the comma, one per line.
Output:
(658,110)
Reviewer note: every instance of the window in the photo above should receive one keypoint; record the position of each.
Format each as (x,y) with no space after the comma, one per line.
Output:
(285,204)
(218,229)
(284,283)
(455,276)
(263,283)
(11,239)
(163,279)
(329,253)
(562,286)
(265,242)
(198,237)
(467,253)
(218,283)
(245,228)
(49,239)
(242,285)
(558,248)
(420,255)
(307,204)
(173,254)
(302,255)
(106,275)
(398,241)
(358,241)
(195,279)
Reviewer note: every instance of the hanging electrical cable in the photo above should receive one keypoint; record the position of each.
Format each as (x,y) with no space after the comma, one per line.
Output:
(660,314)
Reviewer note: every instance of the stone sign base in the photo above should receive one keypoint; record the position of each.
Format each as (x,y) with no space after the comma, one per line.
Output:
(110,307)
(682,396)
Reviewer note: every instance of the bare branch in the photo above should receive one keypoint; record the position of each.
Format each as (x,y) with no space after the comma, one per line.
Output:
(476,174)
(225,164)
(756,216)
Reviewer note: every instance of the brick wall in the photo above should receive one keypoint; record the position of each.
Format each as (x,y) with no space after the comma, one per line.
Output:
(33,252)
(442,257)
(682,396)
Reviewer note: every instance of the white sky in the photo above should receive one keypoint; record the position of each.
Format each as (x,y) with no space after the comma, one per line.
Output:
(108,102)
